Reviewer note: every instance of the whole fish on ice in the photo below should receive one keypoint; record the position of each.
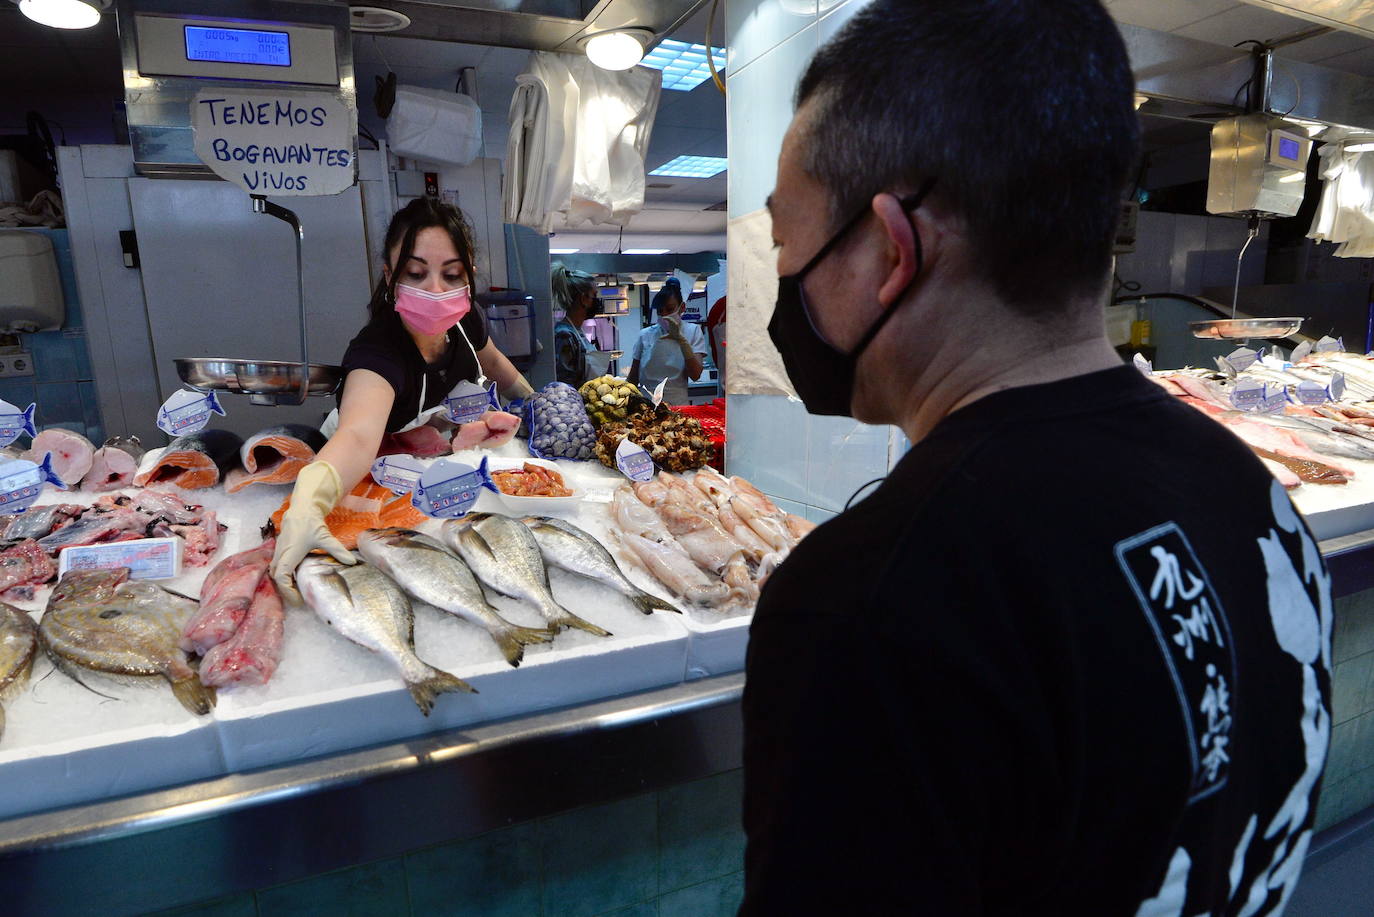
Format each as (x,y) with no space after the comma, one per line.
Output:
(370,610)
(18,646)
(251,655)
(568,547)
(431,573)
(99,621)
(505,556)
(15,423)
(186,412)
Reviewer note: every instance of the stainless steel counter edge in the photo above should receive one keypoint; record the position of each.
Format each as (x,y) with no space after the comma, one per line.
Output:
(165,808)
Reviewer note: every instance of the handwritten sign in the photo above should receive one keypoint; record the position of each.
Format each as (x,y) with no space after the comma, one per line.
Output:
(280,142)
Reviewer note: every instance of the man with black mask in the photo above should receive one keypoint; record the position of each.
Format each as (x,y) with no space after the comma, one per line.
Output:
(1072,657)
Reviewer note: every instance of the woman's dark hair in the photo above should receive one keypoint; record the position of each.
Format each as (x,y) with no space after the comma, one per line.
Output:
(570,286)
(670,290)
(421,213)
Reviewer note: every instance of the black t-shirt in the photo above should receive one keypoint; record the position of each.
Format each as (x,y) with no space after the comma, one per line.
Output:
(1070,658)
(385,347)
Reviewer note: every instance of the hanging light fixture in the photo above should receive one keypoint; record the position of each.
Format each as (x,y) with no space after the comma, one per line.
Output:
(618,50)
(63,14)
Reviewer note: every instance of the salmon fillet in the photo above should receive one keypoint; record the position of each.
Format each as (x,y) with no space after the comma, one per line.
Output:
(191,462)
(368,506)
(274,456)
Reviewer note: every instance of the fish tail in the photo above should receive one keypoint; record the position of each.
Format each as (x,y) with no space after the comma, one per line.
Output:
(194,695)
(212,403)
(484,476)
(48,474)
(28,420)
(514,639)
(568,619)
(649,604)
(425,691)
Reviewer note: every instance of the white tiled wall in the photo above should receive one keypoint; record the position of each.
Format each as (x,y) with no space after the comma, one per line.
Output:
(811,466)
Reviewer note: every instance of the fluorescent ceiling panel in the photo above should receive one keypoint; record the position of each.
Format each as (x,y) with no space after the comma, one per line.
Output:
(684,65)
(692,167)
(564,251)
(645,251)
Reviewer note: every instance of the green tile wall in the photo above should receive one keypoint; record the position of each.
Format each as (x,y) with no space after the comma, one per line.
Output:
(1348,784)
(675,853)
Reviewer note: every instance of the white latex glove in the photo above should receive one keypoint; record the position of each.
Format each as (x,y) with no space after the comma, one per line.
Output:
(303,529)
(672,327)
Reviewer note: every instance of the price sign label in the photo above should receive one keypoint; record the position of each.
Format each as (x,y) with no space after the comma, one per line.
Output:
(633,461)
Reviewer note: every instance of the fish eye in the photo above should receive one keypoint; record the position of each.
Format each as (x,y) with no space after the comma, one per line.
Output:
(112,613)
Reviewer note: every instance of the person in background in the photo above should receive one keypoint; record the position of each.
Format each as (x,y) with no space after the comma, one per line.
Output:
(575,293)
(423,337)
(668,349)
(1072,657)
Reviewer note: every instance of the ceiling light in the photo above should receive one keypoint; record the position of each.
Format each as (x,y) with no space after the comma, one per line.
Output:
(564,251)
(693,167)
(63,14)
(1360,148)
(646,251)
(617,50)
(1140,100)
(684,65)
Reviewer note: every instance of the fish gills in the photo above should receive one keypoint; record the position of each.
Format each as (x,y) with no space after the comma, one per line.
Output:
(570,548)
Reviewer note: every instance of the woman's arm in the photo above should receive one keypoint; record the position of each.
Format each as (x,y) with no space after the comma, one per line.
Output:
(366,404)
(692,362)
(499,369)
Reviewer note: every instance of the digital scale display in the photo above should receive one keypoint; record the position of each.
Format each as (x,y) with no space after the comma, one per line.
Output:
(238,46)
(1288,148)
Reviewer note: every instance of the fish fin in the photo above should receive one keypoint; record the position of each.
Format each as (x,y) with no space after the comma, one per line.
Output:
(49,475)
(194,695)
(515,638)
(69,669)
(649,603)
(424,692)
(568,619)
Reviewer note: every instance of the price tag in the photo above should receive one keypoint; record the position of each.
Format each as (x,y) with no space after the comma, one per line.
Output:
(1308,392)
(1242,358)
(1301,352)
(1142,364)
(399,474)
(633,461)
(1337,386)
(657,398)
(1329,345)
(21,483)
(14,422)
(187,412)
(146,558)
(1247,396)
(449,489)
(469,401)
(1275,400)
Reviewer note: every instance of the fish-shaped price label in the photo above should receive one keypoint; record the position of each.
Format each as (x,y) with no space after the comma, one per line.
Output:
(1142,364)
(21,483)
(1309,392)
(657,397)
(187,412)
(469,401)
(633,461)
(1329,344)
(15,423)
(399,474)
(1274,401)
(1301,352)
(1247,396)
(449,489)
(1242,358)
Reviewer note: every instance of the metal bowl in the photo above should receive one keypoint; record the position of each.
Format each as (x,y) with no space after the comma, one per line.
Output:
(254,377)
(1240,329)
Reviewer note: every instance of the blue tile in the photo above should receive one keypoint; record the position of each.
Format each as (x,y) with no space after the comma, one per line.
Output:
(700,835)
(600,858)
(494,875)
(643,909)
(371,890)
(844,455)
(768,440)
(82,353)
(757,117)
(55,357)
(232,906)
(753,27)
(59,404)
(18,392)
(716,898)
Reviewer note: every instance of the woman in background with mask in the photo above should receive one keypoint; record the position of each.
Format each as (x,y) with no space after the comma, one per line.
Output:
(423,336)
(669,349)
(575,293)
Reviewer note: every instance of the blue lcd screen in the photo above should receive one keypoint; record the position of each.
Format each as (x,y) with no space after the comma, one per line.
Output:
(1288,148)
(238,46)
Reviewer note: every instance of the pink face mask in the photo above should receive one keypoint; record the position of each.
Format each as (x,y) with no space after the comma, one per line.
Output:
(431,313)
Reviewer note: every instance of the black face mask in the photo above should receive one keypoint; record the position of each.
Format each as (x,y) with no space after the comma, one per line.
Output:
(822,375)
(596,306)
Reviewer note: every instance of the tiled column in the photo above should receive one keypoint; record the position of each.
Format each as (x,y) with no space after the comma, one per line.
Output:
(809,465)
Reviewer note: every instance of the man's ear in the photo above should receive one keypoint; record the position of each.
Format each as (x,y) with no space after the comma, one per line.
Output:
(900,247)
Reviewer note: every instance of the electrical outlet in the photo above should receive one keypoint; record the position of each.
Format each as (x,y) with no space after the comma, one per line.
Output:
(16,364)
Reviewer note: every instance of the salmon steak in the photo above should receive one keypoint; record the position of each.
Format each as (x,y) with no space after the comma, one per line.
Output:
(274,456)
(191,462)
(368,506)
